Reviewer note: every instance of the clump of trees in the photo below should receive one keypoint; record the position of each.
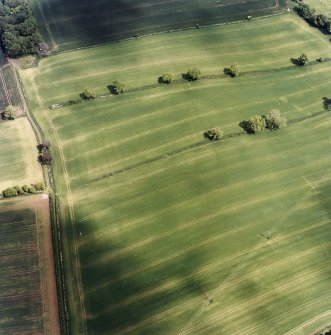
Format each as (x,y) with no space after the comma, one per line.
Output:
(257,123)
(232,71)
(9,113)
(118,87)
(18,28)
(23,190)
(45,156)
(302,59)
(214,134)
(88,94)
(167,77)
(193,74)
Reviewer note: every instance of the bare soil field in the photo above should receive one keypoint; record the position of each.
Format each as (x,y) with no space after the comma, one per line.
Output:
(28,298)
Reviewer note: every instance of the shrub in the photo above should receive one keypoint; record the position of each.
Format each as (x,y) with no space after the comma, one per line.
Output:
(31,189)
(88,94)
(214,134)
(118,87)
(167,77)
(255,124)
(303,59)
(9,192)
(274,120)
(193,74)
(9,113)
(25,188)
(39,186)
(233,70)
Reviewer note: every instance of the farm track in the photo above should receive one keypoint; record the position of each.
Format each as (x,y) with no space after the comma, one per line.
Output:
(70,204)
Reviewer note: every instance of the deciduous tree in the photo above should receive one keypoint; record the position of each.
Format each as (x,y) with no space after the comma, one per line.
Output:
(167,77)
(274,120)
(193,74)
(118,87)
(214,134)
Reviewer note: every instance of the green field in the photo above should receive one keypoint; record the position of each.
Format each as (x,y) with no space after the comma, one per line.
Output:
(177,246)
(18,154)
(76,23)
(321,6)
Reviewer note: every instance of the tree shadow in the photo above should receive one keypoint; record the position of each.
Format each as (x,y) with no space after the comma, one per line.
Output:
(227,72)
(326,103)
(295,61)
(185,76)
(112,89)
(245,126)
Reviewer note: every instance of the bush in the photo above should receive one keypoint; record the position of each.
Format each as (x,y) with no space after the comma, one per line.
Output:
(255,124)
(274,120)
(9,192)
(39,186)
(25,188)
(88,94)
(193,74)
(303,59)
(167,77)
(31,189)
(118,87)
(232,71)
(9,113)
(214,134)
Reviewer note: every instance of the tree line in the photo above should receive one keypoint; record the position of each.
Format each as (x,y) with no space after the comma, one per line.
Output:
(23,190)
(256,124)
(320,21)
(18,28)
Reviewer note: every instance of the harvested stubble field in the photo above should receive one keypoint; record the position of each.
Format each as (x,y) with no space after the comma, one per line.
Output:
(27,285)
(18,154)
(179,246)
(79,23)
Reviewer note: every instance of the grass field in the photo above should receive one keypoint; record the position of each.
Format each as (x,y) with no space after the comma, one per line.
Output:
(18,154)
(76,23)
(178,246)
(27,285)
(321,6)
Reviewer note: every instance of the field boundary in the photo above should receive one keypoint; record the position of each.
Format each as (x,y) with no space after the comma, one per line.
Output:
(181,81)
(54,214)
(197,145)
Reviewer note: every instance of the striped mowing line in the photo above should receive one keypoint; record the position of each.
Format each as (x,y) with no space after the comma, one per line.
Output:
(102,211)
(199,274)
(82,196)
(240,309)
(227,209)
(145,152)
(106,234)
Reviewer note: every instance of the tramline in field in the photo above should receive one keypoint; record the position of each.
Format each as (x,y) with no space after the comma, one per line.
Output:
(177,244)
